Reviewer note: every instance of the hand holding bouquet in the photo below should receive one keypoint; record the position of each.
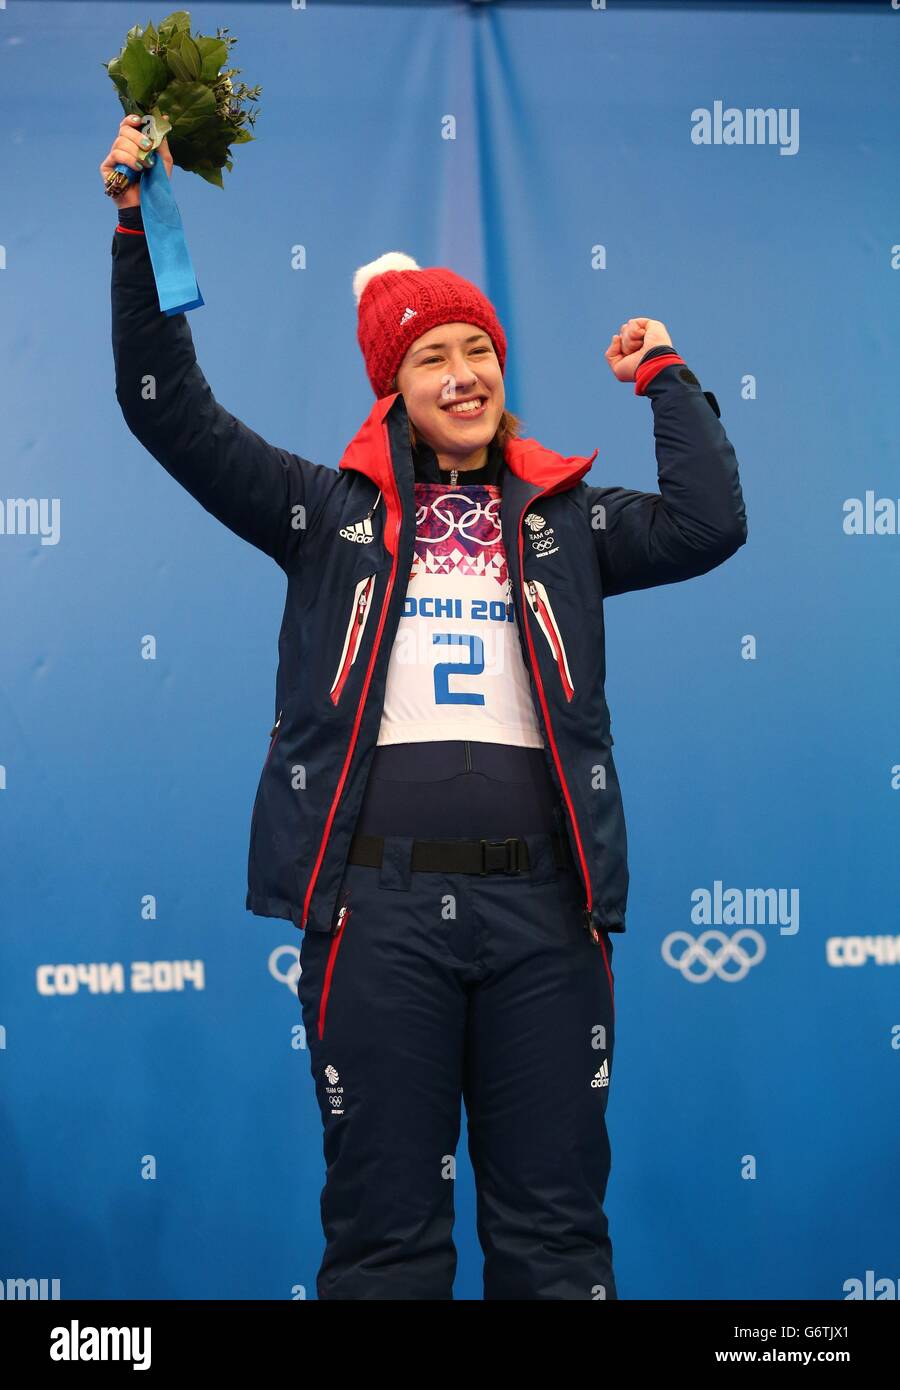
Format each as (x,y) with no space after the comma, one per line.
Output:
(133,149)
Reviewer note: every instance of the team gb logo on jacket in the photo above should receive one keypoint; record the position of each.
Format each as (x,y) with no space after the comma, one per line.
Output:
(543,541)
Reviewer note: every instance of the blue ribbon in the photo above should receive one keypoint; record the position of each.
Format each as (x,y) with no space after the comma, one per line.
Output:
(176,283)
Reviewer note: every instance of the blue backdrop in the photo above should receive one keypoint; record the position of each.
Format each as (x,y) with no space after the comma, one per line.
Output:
(161,1136)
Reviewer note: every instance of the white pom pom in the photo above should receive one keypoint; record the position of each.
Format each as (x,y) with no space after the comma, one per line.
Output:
(391,260)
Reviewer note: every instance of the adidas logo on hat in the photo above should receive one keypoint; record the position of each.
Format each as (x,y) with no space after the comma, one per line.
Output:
(407,315)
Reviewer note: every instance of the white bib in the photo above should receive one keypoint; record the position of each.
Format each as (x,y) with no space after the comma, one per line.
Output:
(456,669)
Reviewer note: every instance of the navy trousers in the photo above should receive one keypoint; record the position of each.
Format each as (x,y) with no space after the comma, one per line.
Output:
(432,988)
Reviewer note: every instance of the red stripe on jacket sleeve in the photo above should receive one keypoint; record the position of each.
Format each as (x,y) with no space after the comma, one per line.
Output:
(133,231)
(646,371)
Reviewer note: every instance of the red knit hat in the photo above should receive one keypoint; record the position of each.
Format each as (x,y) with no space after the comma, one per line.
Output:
(398,301)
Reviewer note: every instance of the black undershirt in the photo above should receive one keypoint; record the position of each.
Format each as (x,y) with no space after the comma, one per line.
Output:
(426,467)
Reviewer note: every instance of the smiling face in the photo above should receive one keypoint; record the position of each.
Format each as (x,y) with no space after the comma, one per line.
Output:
(447,366)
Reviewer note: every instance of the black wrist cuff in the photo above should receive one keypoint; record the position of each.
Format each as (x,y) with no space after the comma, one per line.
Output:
(132,218)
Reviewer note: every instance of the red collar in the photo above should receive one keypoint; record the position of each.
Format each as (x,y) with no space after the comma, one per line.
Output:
(369,452)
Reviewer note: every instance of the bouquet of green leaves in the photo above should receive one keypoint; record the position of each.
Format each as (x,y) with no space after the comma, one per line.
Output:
(173,79)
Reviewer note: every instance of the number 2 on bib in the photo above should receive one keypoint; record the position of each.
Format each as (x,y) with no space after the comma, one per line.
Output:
(443,695)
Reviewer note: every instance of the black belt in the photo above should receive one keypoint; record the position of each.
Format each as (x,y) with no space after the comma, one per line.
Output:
(460,856)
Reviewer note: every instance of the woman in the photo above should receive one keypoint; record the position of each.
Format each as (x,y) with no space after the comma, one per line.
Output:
(439,811)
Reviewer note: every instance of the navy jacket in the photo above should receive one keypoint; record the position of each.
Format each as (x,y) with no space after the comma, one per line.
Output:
(344,538)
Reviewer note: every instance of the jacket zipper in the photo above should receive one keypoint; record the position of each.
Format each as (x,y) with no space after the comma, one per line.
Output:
(365,690)
(468,756)
(540,603)
(588,923)
(353,636)
(329,966)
